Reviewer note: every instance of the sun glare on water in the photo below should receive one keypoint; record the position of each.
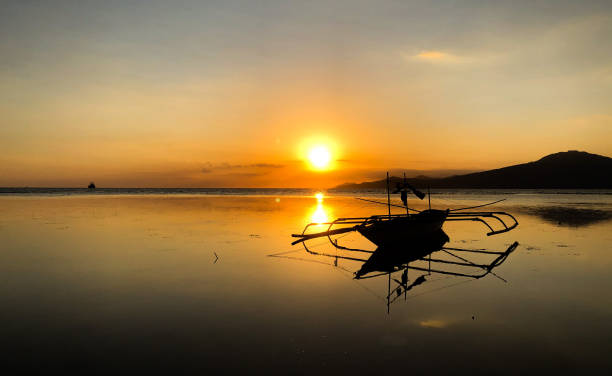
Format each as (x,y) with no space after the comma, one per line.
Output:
(319,157)
(319,215)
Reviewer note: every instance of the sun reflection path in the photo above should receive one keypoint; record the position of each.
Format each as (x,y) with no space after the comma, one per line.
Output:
(320,214)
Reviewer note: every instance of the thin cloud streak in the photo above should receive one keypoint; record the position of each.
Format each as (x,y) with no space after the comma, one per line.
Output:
(448,58)
(210,167)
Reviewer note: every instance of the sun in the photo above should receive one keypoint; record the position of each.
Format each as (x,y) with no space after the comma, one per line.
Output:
(319,157)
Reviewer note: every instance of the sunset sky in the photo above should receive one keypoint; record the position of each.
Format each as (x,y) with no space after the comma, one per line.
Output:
(239,93)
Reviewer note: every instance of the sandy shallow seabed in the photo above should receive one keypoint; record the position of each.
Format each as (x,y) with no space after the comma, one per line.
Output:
(122,283)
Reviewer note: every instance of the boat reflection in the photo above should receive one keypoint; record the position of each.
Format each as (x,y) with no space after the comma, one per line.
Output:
(425,255)
(388,259)
(407,241)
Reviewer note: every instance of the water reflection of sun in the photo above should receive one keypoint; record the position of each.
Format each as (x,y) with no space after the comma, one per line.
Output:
(319,213)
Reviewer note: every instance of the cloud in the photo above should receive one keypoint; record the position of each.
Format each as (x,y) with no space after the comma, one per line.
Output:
(433,56)
(243,174)
(224,167)
(446,58)
(437,324)
(266,165)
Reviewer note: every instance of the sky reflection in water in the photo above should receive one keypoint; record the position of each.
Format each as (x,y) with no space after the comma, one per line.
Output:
(126,282)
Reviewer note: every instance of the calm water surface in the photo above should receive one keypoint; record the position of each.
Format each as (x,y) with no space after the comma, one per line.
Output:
(194,283)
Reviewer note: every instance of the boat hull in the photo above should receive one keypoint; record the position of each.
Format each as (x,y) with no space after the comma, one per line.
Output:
(398,230)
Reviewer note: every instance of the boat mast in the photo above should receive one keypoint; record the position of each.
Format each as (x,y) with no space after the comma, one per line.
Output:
(404,187)
(388,196)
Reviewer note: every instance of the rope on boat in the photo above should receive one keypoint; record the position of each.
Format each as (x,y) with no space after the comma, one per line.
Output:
(300,249)
(478,206)
(386,204)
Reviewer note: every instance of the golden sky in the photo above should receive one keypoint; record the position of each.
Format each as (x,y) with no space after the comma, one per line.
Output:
(236,93)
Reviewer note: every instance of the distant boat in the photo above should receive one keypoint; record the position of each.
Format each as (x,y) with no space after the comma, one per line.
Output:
(91,185)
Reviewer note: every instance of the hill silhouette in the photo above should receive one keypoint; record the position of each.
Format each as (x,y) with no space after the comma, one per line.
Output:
(571,169)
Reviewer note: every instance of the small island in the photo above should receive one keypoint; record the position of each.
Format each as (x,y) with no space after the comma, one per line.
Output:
(91,185)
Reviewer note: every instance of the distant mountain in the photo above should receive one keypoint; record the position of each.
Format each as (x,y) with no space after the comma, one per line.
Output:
(440,173)
(570,169)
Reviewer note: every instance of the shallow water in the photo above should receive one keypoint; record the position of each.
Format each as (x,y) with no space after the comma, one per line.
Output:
(181,282)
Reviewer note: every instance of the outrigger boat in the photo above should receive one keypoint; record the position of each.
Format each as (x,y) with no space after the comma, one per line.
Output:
(407,241)
(389,229)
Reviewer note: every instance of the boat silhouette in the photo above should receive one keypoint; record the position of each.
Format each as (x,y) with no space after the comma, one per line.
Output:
(409,241)
(394,228)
